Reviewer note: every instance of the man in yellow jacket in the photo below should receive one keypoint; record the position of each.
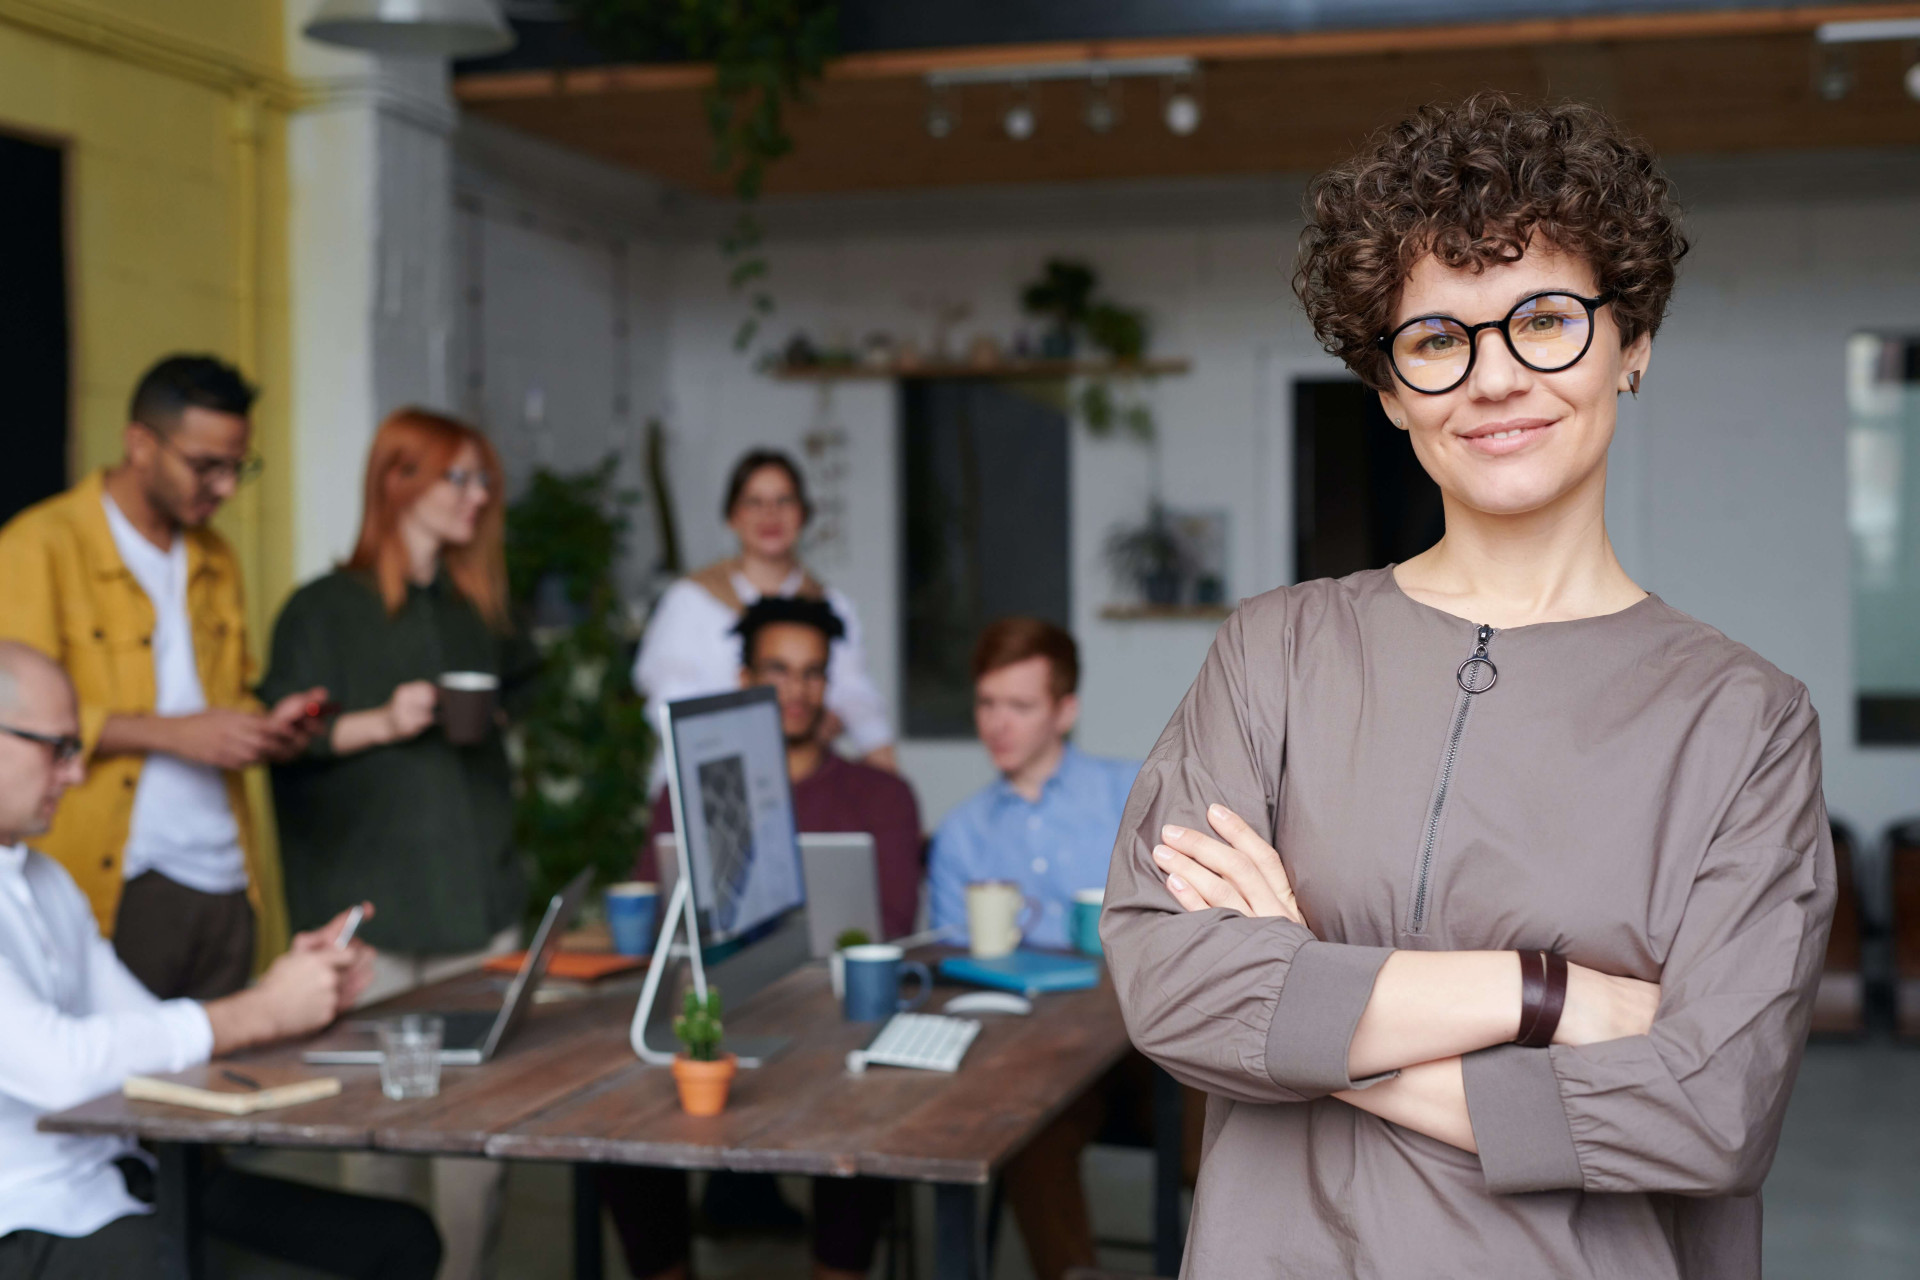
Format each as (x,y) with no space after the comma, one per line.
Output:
(120,581)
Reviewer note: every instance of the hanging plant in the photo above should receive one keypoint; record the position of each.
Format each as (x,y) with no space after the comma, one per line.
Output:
(766,56)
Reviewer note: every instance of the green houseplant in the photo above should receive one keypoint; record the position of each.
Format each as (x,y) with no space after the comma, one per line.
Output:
(581,745)
(1148,557)
(701,1072)
(1064,296)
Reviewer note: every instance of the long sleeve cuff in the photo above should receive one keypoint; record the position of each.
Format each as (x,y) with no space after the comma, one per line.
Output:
(189,1033)
(1325,991)
(1519,1123)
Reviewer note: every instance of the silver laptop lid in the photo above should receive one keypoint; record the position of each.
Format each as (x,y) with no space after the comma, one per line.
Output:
(561,911)
(843,887)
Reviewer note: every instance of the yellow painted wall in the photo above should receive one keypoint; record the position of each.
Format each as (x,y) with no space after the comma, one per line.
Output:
(172,115)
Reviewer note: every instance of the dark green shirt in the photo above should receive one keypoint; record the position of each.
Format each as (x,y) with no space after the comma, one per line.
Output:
(423,829)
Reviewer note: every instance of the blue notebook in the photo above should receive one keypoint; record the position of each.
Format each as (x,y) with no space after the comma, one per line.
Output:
(1027,972)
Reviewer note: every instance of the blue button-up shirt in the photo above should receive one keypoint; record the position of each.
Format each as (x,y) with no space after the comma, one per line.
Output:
(1052,847)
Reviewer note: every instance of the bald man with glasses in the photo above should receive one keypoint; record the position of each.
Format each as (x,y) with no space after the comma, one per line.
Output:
(121,582)
(77,1024)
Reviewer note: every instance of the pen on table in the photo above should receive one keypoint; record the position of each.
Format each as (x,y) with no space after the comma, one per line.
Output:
(239,1078)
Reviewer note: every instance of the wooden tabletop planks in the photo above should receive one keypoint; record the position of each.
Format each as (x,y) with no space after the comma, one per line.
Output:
(804,1112)
(559,1050)
(568,1087)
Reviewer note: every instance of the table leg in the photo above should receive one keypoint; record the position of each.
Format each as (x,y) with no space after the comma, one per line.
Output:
(956,1231)
(177,1208)
(587,1261)
(1169,1159)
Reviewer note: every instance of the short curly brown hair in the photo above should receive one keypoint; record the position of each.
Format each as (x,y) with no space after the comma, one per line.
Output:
(1471,183)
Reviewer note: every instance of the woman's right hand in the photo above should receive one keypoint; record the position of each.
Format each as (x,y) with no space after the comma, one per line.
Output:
(410,710)
(1602,1007)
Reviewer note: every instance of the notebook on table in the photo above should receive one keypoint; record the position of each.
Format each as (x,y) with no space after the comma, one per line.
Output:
(236,1091)
(1030,973)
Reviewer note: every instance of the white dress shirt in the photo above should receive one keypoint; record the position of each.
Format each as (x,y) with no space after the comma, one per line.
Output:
(74,1024)
(182,825)
(689,652)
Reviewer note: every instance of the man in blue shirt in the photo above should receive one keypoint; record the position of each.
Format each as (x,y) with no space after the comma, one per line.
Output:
(1049,822)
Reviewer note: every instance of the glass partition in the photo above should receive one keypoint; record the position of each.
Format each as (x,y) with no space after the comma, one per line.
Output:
(1883,517)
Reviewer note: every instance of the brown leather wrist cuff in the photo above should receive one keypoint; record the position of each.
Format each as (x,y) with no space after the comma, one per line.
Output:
(1543,996)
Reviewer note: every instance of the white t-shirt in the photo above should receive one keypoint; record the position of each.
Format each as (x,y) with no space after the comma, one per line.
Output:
(689,652)
(76,1025)
(183,826)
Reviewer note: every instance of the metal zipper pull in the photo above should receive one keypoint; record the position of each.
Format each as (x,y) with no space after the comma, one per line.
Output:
(1479,667)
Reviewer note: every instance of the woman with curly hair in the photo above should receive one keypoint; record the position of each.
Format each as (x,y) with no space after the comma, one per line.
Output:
(1486,893)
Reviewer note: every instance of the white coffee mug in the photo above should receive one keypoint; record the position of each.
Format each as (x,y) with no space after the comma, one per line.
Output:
(998,915)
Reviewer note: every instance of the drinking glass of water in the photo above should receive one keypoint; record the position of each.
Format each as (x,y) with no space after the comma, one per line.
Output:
(410,1056)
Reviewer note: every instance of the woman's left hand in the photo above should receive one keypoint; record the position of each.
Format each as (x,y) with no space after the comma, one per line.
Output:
(1239,871)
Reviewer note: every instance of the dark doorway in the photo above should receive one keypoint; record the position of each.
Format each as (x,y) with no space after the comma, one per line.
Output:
(984,514)
(33,322)
(1360,497)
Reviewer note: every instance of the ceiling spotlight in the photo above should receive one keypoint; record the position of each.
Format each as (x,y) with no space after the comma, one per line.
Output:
(1103,104)
(1021,119)
(942,117)
(1182,108)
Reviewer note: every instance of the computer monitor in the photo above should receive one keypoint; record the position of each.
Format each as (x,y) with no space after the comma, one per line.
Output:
(727,781)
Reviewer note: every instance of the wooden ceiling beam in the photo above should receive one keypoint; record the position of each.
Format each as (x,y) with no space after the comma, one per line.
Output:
(914,63)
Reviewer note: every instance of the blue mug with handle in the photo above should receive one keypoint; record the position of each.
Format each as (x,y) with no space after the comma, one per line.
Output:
(873,982)
(1083,926)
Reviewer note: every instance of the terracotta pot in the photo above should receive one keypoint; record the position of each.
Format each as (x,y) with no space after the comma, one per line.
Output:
(704,1085)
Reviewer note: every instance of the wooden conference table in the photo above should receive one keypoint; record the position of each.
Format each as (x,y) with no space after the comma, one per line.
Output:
(568,1088)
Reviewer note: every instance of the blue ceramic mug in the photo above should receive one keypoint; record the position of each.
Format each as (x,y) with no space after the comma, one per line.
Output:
(1084,925)
(631,908)
(873,982)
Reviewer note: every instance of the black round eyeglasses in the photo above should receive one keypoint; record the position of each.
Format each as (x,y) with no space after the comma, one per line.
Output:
(1546,332)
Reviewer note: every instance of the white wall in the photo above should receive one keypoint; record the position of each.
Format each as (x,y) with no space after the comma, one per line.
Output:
(371,280)
(1727,493)
(560,323)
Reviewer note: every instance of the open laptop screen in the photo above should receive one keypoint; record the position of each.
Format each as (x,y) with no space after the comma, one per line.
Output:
(727,774)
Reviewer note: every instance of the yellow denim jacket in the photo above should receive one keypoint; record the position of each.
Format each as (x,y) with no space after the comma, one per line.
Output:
(65,591)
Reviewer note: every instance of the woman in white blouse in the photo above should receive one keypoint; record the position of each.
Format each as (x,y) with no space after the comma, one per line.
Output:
(690,651)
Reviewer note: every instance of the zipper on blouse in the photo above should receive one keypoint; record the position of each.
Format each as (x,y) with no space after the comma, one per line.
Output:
(1475,676)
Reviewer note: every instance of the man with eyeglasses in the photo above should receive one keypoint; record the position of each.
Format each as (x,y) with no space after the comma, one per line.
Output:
(120,581)
(785,645)
(76,1024)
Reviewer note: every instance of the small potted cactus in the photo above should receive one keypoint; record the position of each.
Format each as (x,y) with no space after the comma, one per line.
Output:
(837,962)
(702,1073)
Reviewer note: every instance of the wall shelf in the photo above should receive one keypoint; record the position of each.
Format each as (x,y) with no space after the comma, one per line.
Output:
(1166,613)
(1004,370)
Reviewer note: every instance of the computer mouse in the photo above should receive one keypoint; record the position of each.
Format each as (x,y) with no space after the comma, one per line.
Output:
(988,1002)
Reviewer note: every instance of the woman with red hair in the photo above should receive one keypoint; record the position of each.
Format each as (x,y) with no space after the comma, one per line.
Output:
(384,805)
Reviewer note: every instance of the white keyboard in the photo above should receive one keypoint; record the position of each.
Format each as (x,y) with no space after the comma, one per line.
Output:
(927,1041)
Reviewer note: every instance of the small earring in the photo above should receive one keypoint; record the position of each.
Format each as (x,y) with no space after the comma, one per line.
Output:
(1633,384)
(1400,423)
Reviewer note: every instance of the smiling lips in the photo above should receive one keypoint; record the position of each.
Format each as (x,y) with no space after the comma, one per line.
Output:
(1495,439)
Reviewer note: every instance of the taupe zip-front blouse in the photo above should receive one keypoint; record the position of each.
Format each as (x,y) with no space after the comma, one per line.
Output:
(1635,791)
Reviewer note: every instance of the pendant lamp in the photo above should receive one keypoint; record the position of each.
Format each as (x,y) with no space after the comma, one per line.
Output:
(422,28)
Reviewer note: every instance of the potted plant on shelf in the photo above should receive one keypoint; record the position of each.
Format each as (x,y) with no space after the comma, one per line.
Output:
(1149,557)
(701,1072)
(1061,295)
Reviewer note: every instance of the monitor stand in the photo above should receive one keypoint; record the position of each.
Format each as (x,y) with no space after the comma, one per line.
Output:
(752,1051)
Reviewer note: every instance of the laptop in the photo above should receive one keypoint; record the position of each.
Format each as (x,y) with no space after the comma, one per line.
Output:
(473,1036)
(843,887)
